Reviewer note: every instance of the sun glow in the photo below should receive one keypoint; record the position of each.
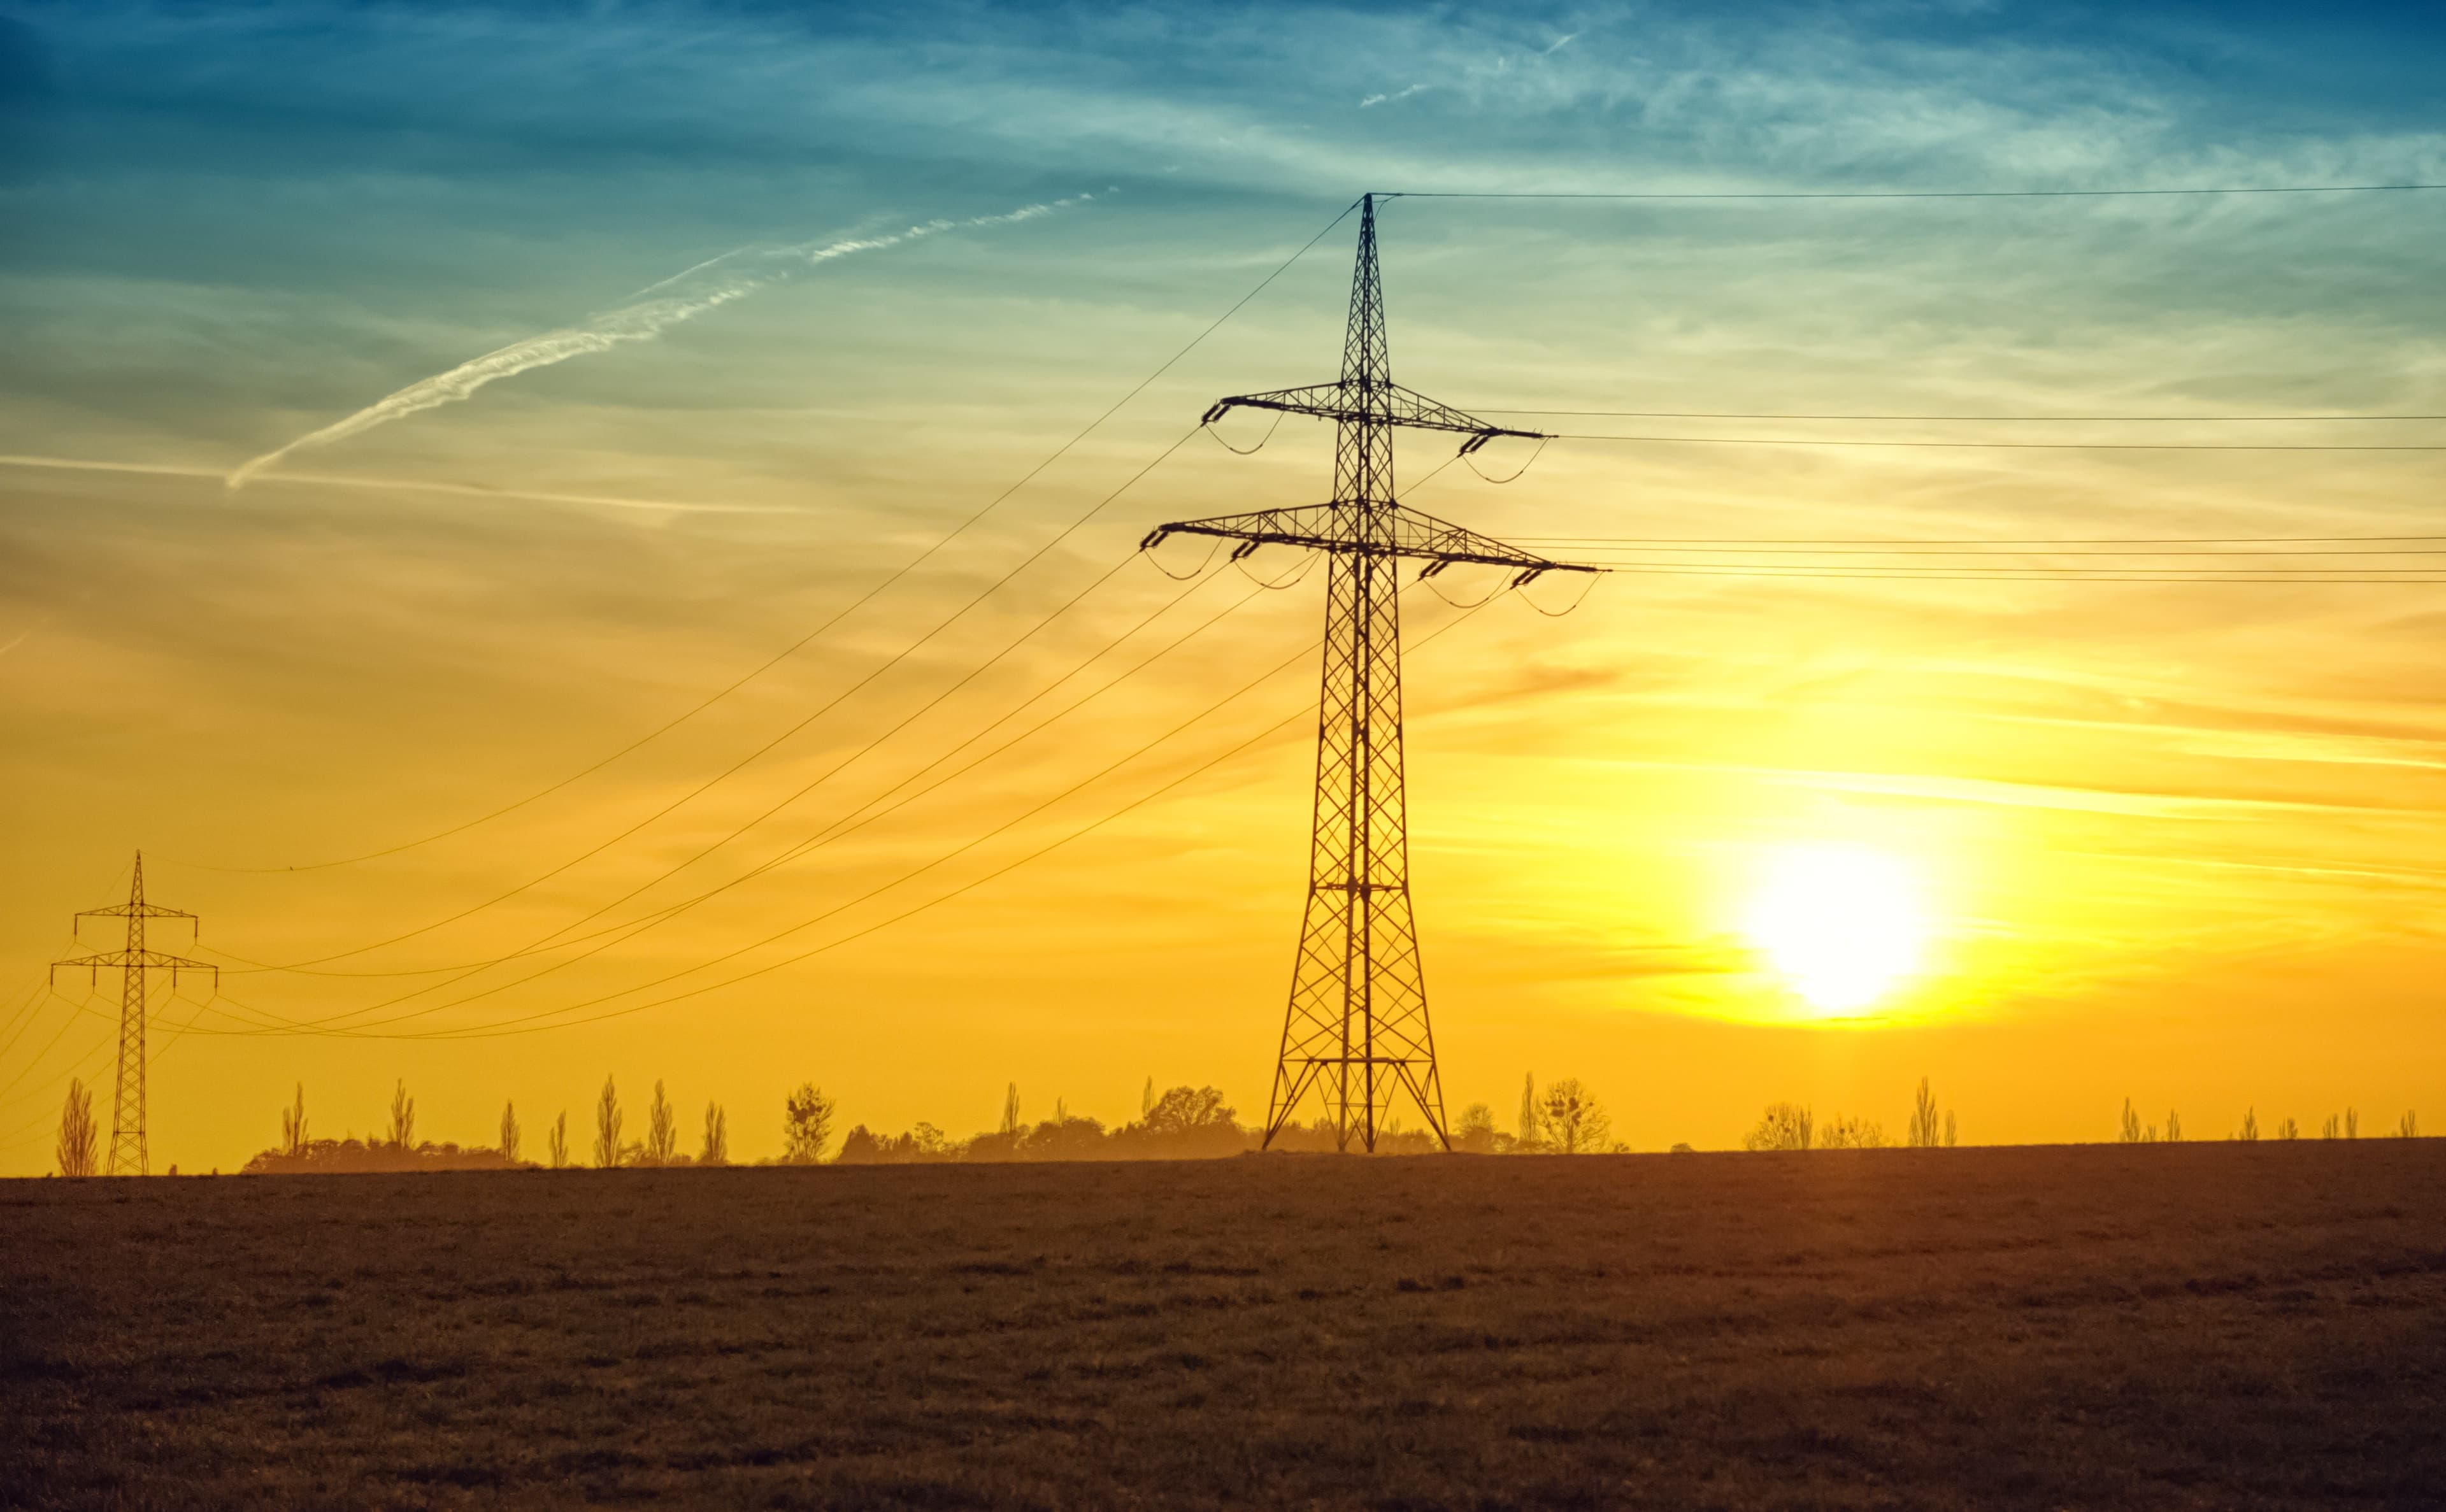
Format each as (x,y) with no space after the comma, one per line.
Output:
(1842,924)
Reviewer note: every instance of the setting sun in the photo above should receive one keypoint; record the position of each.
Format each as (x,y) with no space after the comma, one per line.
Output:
(1842,924)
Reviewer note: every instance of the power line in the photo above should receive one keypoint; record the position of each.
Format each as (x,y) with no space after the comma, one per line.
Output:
(1307,711)
(1913,194)
(2017,419)
(744,762)
(2011,446)
(869,596)
(838,829)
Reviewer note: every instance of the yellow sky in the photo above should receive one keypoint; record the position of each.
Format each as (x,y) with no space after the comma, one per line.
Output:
(2174,841)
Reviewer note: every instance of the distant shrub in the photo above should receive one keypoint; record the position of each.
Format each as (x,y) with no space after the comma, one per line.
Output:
(1842,1132)
(80,1144)
(1473,1131)
(2249,1134)
(2332,1128)
(1783,1125)
(1573,1122)
(806,1126)
(353,1156)
(2289,1130)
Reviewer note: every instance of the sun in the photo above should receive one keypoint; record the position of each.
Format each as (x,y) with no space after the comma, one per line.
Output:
(1842,924)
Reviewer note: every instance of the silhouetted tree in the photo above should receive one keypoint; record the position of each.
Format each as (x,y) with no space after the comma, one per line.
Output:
(608,1119)
(2131,1132)
(2408,1126)
(1010,1113)
(1146,1098)
(555,1144)
(2332,1128)
(2174,1127)
(403,1117)
(1182,1123)
(806,1126)
(662,1129)
(1474,1131)
(1949,1131)
(717,1137)
(2289,1130)
(859,1148)
(1528,1136)
(1841,1132)
(292,1124)
(2249,1131)
(509,1133)
(1575,1122)
(2352,1123)
(1922,1134)
(79,1146)
(1783,1125)
(1063,1137)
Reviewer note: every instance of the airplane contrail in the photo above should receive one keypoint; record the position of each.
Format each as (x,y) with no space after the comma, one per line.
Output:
(641,320)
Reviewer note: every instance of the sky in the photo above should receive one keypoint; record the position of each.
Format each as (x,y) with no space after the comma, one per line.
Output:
(408,408)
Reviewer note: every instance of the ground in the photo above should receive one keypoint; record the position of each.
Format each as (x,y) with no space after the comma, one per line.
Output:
(2206,1325)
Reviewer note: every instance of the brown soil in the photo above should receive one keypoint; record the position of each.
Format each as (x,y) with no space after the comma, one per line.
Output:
(2206,1325)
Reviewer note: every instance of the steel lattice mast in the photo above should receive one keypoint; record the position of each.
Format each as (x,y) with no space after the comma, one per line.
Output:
(1356,1032)
(127,1148)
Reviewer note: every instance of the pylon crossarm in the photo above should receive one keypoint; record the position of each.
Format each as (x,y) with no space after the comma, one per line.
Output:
(1381,404)
(1400,531)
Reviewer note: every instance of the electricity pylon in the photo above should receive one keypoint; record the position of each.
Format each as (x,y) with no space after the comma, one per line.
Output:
(1357,1031)
(127,1149)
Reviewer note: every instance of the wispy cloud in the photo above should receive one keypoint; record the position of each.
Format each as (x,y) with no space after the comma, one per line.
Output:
(1373,101)
(709,284)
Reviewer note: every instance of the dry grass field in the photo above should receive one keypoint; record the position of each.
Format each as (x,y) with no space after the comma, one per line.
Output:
(2205,1325)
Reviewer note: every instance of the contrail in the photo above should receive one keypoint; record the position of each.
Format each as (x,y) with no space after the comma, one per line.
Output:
(641,320)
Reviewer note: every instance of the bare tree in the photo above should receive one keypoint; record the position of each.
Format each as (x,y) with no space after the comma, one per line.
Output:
(2352,1123)
(2249,1131)
(717,1136)
(292,1124)
(1844,1132)
(1783,1125)
(509,1133)
(403,1117)
(806,1126)
(1474,1129)
(2332,1128)
(1950,1134)
(2174,1127)
(79,1141)
(1574,1121)
(1010,1112)
(2289,1130)
(608,1119)
(2408,1126)
(2130,1132)
(1923,1131)
(1528,1137)
(555,1144)
(661,1131)
(1146,1098)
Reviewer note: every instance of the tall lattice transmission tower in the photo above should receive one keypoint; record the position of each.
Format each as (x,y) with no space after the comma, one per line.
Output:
(127,1149)
(1357,1032)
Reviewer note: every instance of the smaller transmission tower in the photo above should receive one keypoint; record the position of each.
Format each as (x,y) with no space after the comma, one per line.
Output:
(127,1150)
